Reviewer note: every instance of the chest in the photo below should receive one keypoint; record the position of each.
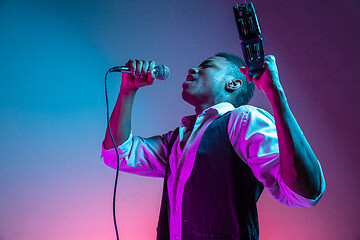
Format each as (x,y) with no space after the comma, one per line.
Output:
(185,139)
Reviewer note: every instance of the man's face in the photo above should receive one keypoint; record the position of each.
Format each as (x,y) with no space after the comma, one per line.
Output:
(206,83)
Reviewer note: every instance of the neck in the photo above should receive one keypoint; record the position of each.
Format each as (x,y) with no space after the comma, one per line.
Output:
(200,108)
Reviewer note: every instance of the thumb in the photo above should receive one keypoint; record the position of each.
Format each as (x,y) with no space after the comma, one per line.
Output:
(242,70)
(246,72)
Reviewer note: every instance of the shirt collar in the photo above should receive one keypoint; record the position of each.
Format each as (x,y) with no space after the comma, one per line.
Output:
(218,109)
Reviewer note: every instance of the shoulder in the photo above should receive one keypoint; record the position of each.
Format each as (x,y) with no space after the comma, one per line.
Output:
(246,113)
(247,120)
(252,128)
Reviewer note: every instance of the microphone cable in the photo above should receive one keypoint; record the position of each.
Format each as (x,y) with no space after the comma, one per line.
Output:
(117,157)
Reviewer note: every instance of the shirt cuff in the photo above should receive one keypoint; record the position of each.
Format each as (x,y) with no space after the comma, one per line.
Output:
(109,155)
(292,199)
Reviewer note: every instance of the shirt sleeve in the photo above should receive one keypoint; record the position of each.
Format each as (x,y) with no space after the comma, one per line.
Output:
(141,156)
(252,133)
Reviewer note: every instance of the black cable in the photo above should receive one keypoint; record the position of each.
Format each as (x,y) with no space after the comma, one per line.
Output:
(117,156)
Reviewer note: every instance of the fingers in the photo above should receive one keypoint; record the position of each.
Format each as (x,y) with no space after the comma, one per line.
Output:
(140,68)
(151,66)
(150,74)
(242,70)
(145,68)
(270,58)
(132,65)
(141,73)
(270,62)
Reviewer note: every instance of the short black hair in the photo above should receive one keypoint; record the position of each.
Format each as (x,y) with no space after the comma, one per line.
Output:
(246,91)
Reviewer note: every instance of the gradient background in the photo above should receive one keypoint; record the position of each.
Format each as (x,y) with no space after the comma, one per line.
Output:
(53,57)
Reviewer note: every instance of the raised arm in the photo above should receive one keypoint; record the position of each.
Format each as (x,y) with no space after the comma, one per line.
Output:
(120,120)
(299,166)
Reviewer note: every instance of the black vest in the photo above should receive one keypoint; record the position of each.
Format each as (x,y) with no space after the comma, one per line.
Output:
(220,196)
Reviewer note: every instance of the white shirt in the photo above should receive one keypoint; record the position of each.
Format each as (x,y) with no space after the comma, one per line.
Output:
(252,134)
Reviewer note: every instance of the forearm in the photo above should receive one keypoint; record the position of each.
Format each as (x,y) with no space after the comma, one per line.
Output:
(299,166)
(120,120)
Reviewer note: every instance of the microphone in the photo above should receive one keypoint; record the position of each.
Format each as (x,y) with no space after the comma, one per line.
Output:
(161,72)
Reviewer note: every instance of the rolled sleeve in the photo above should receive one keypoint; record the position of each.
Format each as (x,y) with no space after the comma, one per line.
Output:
(138,155)
(109,155)
(252,132)
(290,198)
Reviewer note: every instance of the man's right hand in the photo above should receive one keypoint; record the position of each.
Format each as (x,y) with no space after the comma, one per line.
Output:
(141,74)
(120,121)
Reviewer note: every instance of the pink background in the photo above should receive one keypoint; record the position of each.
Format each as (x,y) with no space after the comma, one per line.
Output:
(53,57)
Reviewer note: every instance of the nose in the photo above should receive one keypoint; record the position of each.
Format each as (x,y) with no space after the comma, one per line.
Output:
(192,70)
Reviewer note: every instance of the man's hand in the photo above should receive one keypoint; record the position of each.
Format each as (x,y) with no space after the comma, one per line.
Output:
(120,121)
(268,82)
(141,74)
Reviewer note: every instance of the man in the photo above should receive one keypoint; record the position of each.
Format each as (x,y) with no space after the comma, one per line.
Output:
(216,164)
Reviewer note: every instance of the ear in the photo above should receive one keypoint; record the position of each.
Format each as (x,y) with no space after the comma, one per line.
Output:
(233,85)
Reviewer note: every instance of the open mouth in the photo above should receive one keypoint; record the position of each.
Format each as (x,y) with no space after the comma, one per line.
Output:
(190,78)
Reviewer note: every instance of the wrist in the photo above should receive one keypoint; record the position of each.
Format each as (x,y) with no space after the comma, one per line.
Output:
(275,94)
(128,89)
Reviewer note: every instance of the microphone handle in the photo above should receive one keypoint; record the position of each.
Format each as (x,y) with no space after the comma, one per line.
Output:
(120,69)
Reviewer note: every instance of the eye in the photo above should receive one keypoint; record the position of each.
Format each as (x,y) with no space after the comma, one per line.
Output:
(206,66)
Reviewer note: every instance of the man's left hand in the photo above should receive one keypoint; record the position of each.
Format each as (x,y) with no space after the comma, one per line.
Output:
(268,82)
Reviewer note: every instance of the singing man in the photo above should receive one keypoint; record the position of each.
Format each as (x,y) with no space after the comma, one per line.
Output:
(216,164)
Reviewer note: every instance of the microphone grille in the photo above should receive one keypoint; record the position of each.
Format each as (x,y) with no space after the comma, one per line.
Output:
(163,72)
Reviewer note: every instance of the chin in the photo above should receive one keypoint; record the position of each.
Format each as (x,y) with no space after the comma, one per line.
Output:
(188,98)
